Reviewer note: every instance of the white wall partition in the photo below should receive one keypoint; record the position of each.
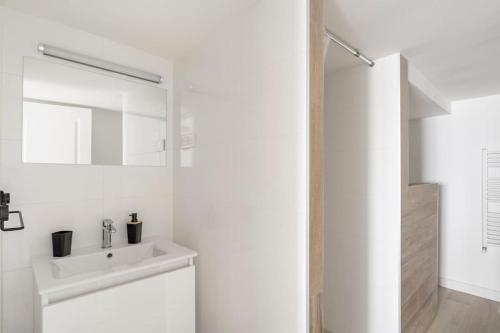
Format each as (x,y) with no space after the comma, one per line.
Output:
(240,176)
(75,197)
(448,150)
(363,198)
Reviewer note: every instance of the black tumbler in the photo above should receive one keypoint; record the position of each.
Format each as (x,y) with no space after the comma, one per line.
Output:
(61,243)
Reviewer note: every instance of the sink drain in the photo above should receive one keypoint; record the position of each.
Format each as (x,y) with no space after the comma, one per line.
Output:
(110,255)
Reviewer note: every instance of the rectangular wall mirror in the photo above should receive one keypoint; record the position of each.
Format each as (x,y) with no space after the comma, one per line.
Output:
(77,116)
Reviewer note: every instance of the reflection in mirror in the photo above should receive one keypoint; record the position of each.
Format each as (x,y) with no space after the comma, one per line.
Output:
(75,116)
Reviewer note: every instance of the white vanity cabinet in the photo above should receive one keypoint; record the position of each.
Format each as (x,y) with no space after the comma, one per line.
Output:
(155,296)
(160,304)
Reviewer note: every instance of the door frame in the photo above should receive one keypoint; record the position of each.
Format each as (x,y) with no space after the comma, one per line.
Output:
(316,165)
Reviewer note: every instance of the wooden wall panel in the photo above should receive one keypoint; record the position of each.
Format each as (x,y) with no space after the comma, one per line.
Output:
(419,258)
(316,165)
(405,126)
(419,235)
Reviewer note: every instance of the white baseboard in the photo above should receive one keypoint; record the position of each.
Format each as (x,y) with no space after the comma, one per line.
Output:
(490,294)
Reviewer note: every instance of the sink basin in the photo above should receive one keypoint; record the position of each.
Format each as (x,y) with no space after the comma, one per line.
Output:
(104,260)
(92,269)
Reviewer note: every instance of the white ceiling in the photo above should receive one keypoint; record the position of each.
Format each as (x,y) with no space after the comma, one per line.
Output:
(166,28)
(454,43)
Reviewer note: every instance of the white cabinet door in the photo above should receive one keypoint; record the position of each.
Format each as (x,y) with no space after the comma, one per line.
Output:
(159,304)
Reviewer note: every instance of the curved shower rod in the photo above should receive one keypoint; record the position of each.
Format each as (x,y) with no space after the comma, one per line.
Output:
(355,52)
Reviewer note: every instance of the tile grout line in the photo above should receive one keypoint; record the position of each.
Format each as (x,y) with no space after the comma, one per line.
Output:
(102,192)
(1,281)
(2,55)
(100,198)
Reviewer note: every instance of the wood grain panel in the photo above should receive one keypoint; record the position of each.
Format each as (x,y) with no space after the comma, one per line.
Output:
(419,235)
(316,165)
(419,257)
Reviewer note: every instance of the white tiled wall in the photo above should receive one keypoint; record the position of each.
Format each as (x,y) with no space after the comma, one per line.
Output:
(241,201)
(55,197)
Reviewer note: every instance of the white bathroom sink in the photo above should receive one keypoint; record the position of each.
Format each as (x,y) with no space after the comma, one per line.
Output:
(91,269)
(110,259)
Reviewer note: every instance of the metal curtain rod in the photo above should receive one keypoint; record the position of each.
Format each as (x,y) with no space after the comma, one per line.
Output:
(334,38)
(59,53)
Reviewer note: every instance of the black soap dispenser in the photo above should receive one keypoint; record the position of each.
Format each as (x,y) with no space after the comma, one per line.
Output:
(134,229)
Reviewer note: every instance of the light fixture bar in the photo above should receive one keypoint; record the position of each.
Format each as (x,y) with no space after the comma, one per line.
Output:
(81,59)
(355,52)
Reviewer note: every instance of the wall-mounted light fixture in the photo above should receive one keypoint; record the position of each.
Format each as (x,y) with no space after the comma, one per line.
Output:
(59,53)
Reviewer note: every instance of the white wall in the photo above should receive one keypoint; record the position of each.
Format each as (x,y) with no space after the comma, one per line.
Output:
(240,192)
(55,197)
(363,198)
(447,150)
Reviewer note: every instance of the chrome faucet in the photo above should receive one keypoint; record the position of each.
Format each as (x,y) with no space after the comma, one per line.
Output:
(107,230)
